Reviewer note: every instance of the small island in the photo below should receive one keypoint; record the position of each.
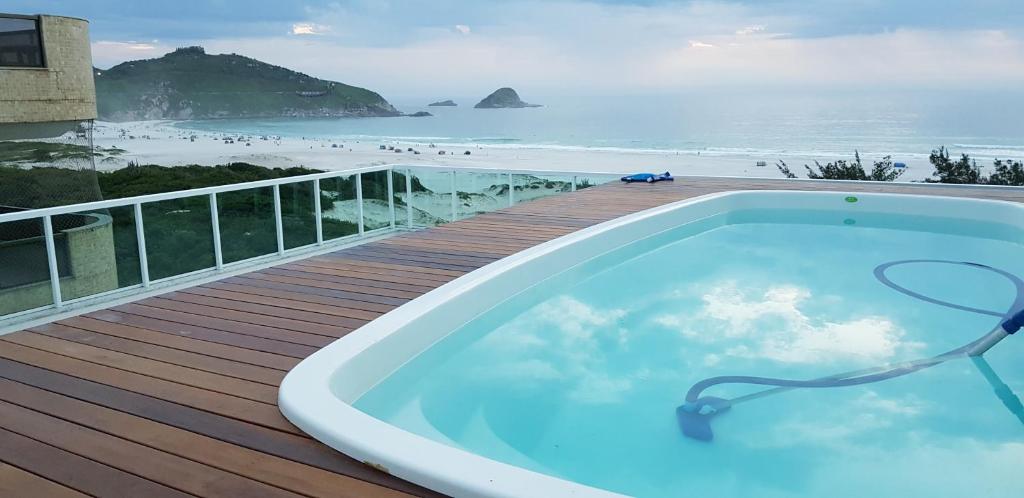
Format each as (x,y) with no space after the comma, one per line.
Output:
(503,98)
(419,114)
(443,103)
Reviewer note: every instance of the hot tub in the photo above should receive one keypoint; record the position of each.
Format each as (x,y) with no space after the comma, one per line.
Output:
(561,370)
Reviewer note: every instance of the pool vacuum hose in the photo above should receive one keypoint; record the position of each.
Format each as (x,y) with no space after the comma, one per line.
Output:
(696,413)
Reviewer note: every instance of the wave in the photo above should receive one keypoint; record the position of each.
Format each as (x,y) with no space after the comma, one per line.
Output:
(989,147)
(631,146)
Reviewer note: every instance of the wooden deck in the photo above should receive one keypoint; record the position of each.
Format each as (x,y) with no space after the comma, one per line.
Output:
(176,395)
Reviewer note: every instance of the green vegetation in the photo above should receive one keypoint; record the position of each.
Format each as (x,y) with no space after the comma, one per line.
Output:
(12,152)
(191,84)
(947,170)
(966,170)
(881,171)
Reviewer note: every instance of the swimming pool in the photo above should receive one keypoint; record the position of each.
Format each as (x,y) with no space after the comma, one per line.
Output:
(559,371)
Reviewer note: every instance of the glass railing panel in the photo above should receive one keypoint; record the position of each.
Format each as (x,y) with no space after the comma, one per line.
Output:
(25,273)
(247,227)
(592,180)
(398,185)
(339,213)
(432,196)
(480,192)
(179,236)
(100,251)
(530,187)
(298,214)
(376,211)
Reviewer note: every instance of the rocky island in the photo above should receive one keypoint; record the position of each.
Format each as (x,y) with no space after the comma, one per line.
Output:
(443,103)
(419,114)
(503,98)
(188,83)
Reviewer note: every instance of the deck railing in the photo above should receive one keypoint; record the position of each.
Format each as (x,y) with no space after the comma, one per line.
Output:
(167,240)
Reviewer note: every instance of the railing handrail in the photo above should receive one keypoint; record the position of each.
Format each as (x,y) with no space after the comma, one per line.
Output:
(181,194)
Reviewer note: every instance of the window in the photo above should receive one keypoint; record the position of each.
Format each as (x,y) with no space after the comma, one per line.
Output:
(20,42)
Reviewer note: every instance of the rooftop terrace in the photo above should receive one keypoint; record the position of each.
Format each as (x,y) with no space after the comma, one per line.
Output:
(175,395)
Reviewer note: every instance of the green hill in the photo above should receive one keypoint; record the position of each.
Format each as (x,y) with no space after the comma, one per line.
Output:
(191,84)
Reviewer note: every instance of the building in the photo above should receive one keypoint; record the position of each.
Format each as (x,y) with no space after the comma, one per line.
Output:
(47,109)
(46,76)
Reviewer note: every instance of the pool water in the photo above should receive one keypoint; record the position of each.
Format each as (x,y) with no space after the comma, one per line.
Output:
(579,376)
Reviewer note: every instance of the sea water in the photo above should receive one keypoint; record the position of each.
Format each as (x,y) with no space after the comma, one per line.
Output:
(797,127)
(580,376)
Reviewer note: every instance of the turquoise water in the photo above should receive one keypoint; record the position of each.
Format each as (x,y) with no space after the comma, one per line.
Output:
(765,126)
(579,377)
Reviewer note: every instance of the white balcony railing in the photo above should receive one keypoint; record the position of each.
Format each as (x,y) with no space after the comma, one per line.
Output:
(128,258)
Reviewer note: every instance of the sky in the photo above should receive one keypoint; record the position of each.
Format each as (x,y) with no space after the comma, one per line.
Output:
(468,47)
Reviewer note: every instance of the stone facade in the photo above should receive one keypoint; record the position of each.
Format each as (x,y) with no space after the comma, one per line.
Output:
(63,90)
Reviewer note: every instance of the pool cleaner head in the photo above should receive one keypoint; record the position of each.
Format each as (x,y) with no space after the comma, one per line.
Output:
(695,417)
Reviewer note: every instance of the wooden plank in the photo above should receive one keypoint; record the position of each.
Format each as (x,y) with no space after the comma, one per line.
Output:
(268,326)
(312,322)
(373,294)
(322,311)
(157,466)
(218,454)
(238,370)
(191,343)
(76,472)
(377,273)
(408,291)
(305,286)
(342,258)
(229,386)
(289,446)
(211,322)
(230,406)
(17,482)
(293,296)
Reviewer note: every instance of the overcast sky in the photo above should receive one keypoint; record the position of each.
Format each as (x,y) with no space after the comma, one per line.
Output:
(468,47)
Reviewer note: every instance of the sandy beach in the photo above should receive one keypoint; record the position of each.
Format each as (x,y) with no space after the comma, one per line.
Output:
(162,143)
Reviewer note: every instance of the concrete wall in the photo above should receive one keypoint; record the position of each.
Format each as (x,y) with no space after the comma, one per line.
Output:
(93,269)
(62,91)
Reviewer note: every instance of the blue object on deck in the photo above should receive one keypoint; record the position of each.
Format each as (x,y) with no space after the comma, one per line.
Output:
(695,414)
(648,177)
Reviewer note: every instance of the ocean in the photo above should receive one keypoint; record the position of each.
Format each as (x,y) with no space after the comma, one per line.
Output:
(764,126)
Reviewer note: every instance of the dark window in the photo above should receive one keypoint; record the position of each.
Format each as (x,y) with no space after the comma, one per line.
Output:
(20,43)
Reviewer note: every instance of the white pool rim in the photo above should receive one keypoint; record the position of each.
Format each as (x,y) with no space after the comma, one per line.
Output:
(317,395)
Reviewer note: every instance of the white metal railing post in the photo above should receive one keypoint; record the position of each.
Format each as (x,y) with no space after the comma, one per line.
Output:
(278,225)
(359,202)
(51,261)
(218,256)
(391,197)
(319,212)
(573,189)
(455,194)
(408,197)
(511,191)
(140,239)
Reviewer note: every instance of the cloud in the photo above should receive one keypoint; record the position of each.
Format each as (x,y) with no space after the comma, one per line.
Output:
(572,353)
(608,48)
(307,28)
(107,53)
(771,324)
(750,30)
